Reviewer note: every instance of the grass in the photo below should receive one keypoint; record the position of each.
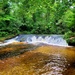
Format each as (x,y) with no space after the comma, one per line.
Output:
(6,37)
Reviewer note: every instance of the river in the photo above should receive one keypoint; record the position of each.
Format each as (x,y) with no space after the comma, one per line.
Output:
(37,59)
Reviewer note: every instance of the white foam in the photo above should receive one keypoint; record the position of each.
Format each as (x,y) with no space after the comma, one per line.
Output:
(9,42)
(47,40)
(38,39)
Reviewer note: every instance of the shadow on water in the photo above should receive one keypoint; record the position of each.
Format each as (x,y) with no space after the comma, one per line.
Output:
(14,50)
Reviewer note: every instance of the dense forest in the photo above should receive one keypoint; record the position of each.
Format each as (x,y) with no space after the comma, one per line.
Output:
(38,17)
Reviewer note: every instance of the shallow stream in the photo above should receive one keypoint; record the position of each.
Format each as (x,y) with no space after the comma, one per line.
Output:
(37,58)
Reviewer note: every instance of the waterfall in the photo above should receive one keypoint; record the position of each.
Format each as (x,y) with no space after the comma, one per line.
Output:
(50,40)
(38,39)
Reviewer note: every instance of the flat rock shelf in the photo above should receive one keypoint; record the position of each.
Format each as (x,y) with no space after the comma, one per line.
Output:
(27,59)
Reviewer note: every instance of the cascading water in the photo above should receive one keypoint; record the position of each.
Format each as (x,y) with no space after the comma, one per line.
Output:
(38,39)
(50,40)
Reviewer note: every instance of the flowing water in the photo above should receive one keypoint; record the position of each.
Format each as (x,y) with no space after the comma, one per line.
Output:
(38,39)
(40,55)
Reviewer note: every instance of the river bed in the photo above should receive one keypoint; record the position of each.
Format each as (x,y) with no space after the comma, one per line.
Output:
(37,60)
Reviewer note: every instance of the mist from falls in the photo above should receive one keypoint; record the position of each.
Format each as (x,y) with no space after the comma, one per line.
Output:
(38,40)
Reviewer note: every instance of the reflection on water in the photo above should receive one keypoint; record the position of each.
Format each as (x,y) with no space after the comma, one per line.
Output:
(44,60)
(56,66)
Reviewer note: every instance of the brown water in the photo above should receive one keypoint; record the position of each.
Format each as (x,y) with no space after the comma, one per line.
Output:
(44,60)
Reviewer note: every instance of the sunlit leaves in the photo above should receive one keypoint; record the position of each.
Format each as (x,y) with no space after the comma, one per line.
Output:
(69,18)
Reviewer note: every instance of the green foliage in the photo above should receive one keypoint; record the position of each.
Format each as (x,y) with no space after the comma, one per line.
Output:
(37,17)
(70,37)
(68,18)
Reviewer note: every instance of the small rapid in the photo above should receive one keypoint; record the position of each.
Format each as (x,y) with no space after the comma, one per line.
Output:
(38,39)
